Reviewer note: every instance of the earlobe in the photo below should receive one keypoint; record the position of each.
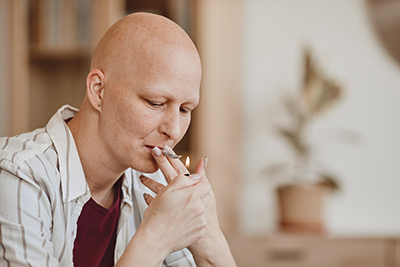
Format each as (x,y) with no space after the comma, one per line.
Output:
(95,88)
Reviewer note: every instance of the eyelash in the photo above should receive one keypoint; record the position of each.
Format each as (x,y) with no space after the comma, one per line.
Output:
(182,110)
(154,104)
(185,111)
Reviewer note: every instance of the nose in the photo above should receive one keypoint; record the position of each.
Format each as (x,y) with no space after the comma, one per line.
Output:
(171,125)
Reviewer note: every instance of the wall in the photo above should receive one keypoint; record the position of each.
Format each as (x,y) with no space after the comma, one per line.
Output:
(4,68)
(216,127)
(341,35)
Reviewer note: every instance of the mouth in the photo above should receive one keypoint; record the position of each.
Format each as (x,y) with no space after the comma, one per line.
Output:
(151,147)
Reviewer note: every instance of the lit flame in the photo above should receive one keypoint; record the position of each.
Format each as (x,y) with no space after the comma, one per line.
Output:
(187,164)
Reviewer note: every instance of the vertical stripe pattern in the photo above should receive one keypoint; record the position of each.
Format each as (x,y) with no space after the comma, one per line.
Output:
(3,248)
(39,173)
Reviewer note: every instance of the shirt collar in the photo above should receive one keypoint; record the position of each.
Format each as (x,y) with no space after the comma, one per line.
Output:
(73,182)
(126,187)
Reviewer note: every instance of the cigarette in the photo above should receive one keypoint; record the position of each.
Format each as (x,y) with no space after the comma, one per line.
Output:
(170,155)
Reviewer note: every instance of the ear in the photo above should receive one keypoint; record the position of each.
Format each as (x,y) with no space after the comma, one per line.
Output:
(95,88)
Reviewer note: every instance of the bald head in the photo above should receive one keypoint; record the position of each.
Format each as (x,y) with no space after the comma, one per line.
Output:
(135,39)
(143,84)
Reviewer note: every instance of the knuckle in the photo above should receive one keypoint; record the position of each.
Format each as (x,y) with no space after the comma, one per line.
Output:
(194,206)
(208,187)
(203,221)
(183,170)
(200,208)
(181,180)
(199,232)
(202,232)
(159,187)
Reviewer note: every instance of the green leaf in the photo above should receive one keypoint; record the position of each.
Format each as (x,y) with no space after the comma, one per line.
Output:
(330,181)
(290,105)
(295,140)
(275,169)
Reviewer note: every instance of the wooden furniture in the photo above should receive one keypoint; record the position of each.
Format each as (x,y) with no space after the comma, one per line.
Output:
(51,46)
(290,250)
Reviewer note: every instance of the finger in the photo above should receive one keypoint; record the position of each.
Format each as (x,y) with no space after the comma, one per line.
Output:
(164,165)
(201,167)
(201,189)
(177,164)
(195,184)
(154,186)
(147,198)
(182,181)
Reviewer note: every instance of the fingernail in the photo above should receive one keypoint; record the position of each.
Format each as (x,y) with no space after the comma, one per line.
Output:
(205,162)
(145,195)
(142,178)
(195,176)
(157,151)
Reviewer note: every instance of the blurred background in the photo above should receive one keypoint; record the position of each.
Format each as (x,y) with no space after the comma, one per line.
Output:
(254,57)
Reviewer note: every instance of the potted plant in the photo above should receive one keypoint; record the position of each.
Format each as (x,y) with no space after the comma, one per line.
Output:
(303,186)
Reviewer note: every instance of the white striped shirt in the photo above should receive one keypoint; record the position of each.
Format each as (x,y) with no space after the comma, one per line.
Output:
(42,192)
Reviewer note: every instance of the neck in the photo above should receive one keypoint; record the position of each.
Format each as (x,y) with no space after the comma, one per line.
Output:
(100,172)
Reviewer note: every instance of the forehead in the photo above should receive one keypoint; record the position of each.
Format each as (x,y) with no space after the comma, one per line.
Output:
(167,71)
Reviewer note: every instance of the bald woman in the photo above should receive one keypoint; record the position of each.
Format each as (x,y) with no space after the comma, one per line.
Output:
(93,187)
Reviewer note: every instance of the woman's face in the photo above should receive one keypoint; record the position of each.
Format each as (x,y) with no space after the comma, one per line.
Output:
(149,104)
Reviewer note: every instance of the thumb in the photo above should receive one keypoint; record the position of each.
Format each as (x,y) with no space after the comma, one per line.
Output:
(201,167)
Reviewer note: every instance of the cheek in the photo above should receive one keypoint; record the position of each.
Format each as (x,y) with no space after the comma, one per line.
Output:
(139,122)
(143,125)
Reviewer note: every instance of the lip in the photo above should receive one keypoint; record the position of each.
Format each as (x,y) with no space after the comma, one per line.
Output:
(151,147)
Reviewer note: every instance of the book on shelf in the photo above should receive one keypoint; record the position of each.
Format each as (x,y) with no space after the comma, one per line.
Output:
(60,26)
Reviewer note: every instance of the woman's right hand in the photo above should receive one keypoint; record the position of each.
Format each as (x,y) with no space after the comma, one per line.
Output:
(176,216)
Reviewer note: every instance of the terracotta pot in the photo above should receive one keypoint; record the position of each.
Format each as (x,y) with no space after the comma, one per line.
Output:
(301,208)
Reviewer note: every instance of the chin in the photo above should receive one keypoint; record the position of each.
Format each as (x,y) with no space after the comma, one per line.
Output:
(146,167)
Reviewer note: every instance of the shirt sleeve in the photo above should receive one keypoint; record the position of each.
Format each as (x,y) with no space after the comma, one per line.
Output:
(25,220)
(181,258)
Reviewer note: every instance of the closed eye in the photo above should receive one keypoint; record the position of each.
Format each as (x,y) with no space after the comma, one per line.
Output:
(185,110)
(154,104)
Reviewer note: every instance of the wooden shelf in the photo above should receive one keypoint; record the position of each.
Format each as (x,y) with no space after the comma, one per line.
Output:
(38,54)
(50,61)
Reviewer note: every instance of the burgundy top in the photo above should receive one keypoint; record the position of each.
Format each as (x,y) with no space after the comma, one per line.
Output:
(97,233)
